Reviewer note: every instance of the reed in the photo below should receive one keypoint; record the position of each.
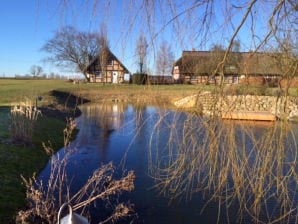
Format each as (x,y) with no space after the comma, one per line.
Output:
(23,117)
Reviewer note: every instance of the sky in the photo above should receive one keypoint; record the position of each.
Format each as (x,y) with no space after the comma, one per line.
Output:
(24,29)
(26,25)
(19,39)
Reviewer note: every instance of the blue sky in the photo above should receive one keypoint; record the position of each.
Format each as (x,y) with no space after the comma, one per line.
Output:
(27,24)
(24,29)
(19,39)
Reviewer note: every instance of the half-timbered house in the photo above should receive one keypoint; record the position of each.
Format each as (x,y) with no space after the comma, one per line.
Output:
(106,68)
(240,67)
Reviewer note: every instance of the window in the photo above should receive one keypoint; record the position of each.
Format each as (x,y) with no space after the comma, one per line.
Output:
(110,62)
(235,79)
(97,74)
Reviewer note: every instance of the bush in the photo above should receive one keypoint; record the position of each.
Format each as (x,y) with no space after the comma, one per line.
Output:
(139,78)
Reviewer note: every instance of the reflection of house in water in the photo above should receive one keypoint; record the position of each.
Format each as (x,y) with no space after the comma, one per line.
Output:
(108,116)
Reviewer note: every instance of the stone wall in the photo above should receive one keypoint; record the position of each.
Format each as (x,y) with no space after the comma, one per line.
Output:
(212,104)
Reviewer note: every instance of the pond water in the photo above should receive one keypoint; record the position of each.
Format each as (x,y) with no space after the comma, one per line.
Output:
(169,149)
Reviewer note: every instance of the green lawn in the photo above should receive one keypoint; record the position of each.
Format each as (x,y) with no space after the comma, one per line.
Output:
(15,91)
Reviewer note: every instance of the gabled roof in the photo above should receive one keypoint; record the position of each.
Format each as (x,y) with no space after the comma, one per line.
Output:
(109,56)
(250,63)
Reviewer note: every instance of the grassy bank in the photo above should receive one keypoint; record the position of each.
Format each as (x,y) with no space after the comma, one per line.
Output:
(20,160)
(16,90)
(13,90)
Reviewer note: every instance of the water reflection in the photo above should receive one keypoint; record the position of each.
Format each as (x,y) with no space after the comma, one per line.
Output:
(98,124)
(107,117)
(192,169)
(253,166)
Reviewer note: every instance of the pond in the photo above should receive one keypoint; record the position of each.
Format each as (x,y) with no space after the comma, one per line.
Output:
(189,168)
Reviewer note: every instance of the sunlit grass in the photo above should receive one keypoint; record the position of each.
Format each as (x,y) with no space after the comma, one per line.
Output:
(13,91)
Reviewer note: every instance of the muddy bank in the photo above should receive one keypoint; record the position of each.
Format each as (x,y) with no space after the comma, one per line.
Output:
(65,105)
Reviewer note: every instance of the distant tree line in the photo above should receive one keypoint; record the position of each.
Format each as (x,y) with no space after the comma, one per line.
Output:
(37,72)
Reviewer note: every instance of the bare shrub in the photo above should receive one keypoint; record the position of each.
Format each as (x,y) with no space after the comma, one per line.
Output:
(45,199)
(23,117)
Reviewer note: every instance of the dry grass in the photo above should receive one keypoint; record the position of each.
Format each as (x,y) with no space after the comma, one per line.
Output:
(23,117)
(45,199)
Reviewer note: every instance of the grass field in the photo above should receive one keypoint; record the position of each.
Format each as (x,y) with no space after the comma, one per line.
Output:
(13,90)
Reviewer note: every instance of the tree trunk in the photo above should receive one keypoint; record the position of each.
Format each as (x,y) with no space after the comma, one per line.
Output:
(86,76)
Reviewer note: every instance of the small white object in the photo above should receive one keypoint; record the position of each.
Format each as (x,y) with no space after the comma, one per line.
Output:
(72,217)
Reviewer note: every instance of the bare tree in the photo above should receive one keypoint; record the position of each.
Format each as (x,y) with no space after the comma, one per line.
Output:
(72,48)
(286,61)
(141,52)
(217,54)
(165,59)
(104,53)
(36,71)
